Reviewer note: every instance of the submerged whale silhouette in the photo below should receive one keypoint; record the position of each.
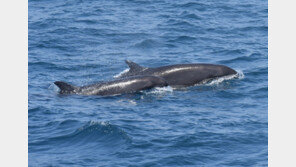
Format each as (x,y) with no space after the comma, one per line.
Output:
(181,74)
(119,86)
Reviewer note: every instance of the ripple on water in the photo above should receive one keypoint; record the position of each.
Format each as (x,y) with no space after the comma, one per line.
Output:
(92,134)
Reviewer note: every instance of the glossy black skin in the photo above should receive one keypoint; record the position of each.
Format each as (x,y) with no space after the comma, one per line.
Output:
(182,74)
(119,86)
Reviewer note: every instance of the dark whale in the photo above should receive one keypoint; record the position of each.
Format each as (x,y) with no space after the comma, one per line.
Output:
(120,86)
(181,74)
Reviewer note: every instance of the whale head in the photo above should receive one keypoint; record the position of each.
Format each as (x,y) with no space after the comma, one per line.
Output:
(224,70)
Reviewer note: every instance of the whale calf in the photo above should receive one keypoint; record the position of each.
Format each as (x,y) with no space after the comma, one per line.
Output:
(179,75)
(119,86)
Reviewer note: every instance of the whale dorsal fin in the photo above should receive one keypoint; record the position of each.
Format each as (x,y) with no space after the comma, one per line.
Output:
(134,67)
(65,88)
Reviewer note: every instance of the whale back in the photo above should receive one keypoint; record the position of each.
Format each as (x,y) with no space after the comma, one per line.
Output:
(181,74)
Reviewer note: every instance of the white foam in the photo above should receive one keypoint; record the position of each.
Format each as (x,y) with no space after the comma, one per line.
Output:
(239,75)
(103,123)
(93,123)
(127,101)
(121,73)
(160,90)
(133,102)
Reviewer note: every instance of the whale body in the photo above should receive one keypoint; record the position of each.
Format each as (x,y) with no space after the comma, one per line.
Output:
(179,75)
(119,86)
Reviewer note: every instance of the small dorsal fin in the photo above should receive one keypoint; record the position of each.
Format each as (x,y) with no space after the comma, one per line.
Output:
(134,67)
(65,88)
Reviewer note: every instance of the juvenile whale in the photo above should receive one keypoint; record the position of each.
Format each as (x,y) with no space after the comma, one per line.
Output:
(119,86)
(181,74)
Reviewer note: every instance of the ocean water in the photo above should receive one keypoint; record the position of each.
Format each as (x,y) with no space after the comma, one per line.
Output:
(221,123)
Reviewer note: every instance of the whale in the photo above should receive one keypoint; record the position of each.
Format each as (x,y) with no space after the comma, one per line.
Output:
(115,87)
(181,75)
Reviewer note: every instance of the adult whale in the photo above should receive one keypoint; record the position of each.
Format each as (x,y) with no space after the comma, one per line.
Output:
(181,74)
(120,86)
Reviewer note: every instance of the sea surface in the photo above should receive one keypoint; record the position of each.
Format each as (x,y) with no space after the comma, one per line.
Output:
(220,123)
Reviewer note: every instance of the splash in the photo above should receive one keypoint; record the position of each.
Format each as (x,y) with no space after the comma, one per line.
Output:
(240,74)
(54,88)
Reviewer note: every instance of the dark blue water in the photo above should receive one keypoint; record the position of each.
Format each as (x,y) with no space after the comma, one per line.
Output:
(222,123)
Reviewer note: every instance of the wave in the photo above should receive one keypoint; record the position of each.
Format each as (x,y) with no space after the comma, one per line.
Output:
(189,15)
(258,71)
(250,58)
(192,16)
(93,133)
(46,65)
(261,90)
(36,109)
(183,39)
(194,5)
(58,66)
(253,28)
(229,52)
(129,35)
(87,21)
(183,24)
(147,44)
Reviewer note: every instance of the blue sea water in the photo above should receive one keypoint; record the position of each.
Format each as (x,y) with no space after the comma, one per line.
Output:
(222,123)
